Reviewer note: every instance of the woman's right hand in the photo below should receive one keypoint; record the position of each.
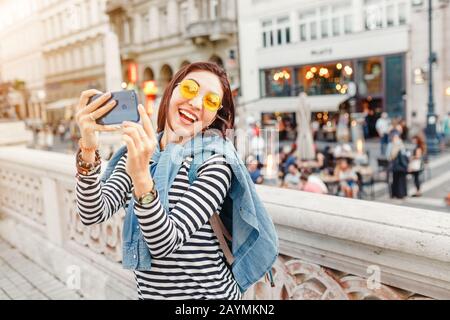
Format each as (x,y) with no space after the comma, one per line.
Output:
(86,117)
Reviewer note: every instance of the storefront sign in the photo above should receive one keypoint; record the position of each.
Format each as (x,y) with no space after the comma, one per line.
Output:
(321,52)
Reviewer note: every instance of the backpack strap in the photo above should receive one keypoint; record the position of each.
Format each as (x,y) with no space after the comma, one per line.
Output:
(217,225)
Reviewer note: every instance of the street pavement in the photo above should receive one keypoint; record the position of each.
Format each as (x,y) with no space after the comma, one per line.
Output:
(23,279)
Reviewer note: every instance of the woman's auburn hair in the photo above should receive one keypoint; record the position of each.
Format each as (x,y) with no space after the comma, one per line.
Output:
(225,116)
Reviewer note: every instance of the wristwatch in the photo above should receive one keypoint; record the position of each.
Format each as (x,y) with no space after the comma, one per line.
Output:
(146,198)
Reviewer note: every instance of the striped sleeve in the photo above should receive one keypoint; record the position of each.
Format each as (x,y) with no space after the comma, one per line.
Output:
(166,233)
(97,202)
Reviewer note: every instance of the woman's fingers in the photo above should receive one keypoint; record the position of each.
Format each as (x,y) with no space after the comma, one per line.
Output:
(97,102)
(147,123)
(85,95)
(134,134)
(104,109)
(138,127)
(132,152)
(106,128)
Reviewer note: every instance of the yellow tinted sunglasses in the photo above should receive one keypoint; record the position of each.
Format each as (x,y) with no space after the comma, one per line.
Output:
(190,88)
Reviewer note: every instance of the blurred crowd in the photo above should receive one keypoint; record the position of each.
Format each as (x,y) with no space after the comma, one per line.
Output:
(343,171)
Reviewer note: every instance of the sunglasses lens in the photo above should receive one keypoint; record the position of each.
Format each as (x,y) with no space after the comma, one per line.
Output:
(189,89)
(212,102)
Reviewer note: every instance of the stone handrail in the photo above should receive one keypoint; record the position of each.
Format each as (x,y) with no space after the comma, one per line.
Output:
(330,247)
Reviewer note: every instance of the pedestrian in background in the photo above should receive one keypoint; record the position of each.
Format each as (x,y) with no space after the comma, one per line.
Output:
(383,126)
(254,170)
(399,166)
(416,163)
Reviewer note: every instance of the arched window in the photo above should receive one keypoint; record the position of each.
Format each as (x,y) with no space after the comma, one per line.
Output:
(148,74)
(217,60)
(166,75)
(184,63)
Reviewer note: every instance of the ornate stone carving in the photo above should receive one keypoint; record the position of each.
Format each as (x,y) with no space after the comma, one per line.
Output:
(300,280)
(22,193)
(104,238)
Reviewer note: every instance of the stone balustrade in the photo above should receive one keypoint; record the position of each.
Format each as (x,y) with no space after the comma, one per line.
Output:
(330,247)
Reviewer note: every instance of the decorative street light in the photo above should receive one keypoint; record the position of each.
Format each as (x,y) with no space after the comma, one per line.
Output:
(430,131)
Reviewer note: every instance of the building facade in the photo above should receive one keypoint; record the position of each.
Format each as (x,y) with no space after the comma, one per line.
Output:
(73,49)
(337,49)
(158,37)
(22,92)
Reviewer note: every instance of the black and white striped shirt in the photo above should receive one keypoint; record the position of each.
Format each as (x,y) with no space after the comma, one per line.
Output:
(187,262)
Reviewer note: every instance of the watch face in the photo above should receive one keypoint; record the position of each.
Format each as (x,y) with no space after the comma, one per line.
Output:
(148,198)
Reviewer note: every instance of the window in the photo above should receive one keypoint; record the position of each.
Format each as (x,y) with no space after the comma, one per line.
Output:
(402,13)
(324,28)
(370,76)
(214,9)
(275,32)
(303,32)
(325,22)
(313,30)
(278,82)
(348,24)
(279,37)
(336,26)
(373,14)
(322,79)
(390,15)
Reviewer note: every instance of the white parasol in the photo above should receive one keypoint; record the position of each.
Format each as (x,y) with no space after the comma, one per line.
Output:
(305,143)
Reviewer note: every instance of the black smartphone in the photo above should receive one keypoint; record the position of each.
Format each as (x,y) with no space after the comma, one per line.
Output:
(126,108)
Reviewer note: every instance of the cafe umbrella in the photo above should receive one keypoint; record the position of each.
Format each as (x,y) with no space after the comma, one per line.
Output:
(305,143)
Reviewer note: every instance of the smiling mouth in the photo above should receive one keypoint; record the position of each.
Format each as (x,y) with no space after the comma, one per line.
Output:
(191,118)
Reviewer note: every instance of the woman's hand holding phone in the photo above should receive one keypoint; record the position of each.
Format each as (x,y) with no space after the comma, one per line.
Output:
(141,143)
(86,116)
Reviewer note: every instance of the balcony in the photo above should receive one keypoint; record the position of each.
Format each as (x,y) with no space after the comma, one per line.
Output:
(201,32)
(331,248)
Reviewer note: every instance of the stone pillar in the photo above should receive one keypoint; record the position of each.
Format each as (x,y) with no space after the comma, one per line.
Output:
(113,69)
(193,11)
(94,12)
(137,28)
(126,31)
(153,22)
(358,15)
(53,217)
(172,17)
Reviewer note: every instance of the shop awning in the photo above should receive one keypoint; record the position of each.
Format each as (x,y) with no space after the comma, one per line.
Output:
(63,103)
(324,103)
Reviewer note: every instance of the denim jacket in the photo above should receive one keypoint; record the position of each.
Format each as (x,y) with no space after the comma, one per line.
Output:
(254,242)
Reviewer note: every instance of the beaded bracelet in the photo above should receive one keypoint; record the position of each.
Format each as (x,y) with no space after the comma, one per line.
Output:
(86,168)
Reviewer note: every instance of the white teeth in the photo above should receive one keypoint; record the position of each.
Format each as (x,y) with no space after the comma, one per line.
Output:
(189,115)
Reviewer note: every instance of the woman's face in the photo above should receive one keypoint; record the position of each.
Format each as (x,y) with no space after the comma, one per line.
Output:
(187,117)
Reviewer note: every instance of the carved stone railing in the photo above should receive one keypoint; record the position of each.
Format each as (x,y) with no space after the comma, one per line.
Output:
(331,248)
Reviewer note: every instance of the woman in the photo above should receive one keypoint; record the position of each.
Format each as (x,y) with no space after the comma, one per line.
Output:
(186,258)
(292,178)
(416,162)
(399,166)
(348,180)
(254,170)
